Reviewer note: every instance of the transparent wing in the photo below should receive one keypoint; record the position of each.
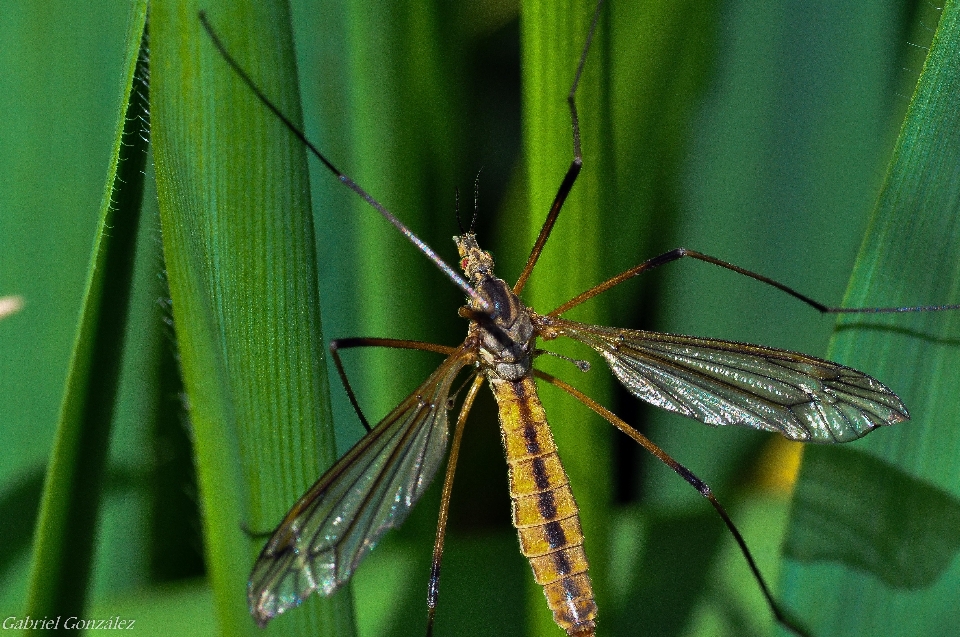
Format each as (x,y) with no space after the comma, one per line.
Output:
(728,383)
(368,491)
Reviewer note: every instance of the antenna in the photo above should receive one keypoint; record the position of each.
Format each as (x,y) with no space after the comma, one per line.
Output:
(476,200)
(344,179)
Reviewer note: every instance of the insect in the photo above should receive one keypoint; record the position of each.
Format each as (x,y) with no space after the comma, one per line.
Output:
(321,541)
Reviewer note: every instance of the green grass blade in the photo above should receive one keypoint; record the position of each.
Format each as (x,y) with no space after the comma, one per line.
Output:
(184,608)
(773,168)
(239,246)
(552,36)
(642,80)
(386,91)
(909,257)
(658,62)
(67,523)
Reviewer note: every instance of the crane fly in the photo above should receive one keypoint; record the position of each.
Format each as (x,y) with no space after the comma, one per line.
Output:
(372,488)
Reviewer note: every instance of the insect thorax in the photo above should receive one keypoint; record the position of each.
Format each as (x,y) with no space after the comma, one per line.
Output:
(505,330)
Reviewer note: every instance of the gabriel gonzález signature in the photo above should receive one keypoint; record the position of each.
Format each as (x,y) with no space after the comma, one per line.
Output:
(70,623)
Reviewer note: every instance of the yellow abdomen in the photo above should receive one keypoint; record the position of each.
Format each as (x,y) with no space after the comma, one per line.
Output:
(544,510)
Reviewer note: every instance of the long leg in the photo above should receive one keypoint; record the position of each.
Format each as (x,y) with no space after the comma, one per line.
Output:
(575,166)
(692,480)
(347,343)
(678,253)
(344,179)
(433,588)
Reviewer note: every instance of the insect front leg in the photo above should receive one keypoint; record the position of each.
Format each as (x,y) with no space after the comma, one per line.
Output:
(575,165)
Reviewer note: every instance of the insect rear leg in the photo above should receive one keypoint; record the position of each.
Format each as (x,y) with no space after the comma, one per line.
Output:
(346,343)
(691,479)
(433,587)
(678,253)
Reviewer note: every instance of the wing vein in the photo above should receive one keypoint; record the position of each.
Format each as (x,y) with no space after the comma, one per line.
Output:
(728,383)
(369,490)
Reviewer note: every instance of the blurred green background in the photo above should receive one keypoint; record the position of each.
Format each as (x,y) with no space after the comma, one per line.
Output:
(755,131)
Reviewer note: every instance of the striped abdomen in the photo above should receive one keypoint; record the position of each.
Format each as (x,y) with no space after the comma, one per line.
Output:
(544,511)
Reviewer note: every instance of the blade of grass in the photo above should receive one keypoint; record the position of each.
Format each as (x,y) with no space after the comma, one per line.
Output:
(643,76)
(778,176)
(239,246)
(182,608)
(659,60)
(63,72)
(67,522)
(552,36)
(384,94)
(909,256)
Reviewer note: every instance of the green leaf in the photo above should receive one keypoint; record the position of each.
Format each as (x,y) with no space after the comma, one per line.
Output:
(908,258)
(777,170)
(387,91)
(185,608)
(552,36)
(241,261)
(888,534)
(67,521)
